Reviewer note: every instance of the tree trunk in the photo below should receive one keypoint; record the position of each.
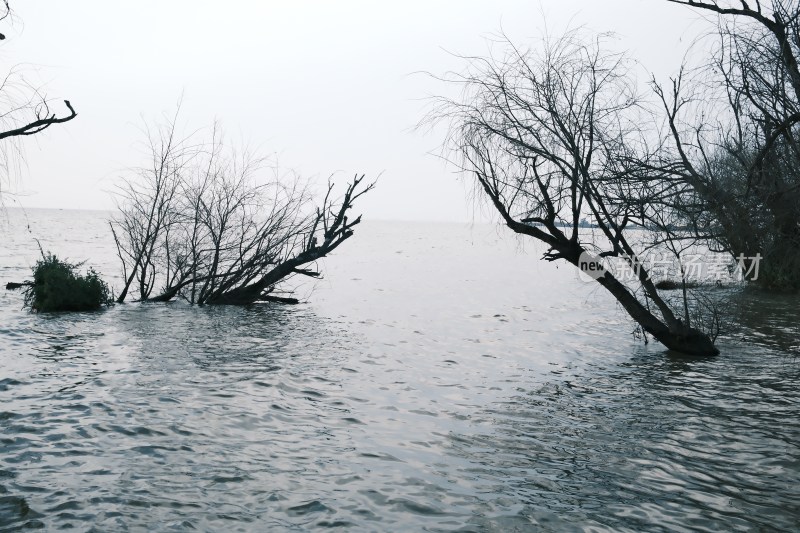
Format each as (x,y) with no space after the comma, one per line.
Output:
(677,336)
(680,337)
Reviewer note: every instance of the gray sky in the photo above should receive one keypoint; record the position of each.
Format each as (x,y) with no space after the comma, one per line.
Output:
(327,86)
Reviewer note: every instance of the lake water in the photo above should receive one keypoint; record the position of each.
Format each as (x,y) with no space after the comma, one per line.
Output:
(440,378)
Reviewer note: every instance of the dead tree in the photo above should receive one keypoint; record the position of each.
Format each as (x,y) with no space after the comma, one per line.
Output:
(204,225)
(546,136)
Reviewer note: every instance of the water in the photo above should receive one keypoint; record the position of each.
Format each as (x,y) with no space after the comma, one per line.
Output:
(440,378)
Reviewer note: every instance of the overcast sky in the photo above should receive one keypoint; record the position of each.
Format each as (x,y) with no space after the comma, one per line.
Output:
(329,86)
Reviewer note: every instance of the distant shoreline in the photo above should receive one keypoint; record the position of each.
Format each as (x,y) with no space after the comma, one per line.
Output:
(18,208)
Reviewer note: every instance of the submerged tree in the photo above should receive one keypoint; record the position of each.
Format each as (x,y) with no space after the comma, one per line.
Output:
(549,137)
(734,132)
(201,223)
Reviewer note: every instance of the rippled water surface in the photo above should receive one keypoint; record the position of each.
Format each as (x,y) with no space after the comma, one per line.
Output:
(440,378)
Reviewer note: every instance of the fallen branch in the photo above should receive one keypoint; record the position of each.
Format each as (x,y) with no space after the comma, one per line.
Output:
(279,299)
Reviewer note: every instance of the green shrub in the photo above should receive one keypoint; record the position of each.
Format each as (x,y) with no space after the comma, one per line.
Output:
(58,287)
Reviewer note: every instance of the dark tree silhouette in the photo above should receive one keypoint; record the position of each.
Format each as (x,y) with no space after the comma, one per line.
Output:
(44,118)
(33,115)
(548,137)
(28,111)
(200,222)
(734,130)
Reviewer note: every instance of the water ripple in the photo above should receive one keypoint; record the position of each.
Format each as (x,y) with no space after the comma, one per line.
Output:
(389,405)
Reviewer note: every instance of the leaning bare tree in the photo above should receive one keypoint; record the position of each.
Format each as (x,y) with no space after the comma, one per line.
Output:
(200,222)
(25,110)
(734,127)
(548,136)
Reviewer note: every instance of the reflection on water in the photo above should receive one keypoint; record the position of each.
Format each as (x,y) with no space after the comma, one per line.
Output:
(477,390)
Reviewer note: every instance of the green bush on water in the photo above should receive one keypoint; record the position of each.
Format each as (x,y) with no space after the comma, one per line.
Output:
(57,286)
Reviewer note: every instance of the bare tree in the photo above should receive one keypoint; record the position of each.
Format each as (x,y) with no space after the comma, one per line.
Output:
(548,136)
(201,223)
(148,207)
(733,126)
(26,111)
